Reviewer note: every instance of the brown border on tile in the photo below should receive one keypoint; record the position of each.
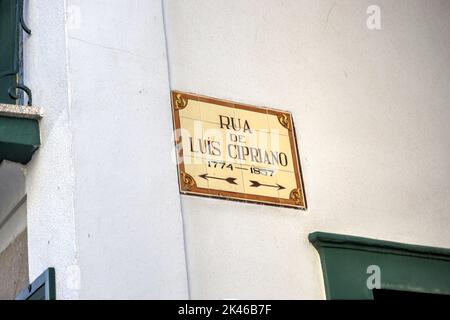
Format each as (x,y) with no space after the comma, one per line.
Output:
(192,189)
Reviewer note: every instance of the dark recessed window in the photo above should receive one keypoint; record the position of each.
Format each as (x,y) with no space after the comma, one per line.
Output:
(383,294)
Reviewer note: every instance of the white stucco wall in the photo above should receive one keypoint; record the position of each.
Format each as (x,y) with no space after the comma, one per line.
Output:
(50,175)
(127,204)
(103,200)
(371,109)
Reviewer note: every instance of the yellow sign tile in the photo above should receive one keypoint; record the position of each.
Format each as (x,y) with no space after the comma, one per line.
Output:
(214,113)
(235,151)
(193,112)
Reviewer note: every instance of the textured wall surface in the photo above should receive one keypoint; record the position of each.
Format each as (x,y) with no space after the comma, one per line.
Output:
(371,109)
(14,268)
(126,195)
(13,234)
(50,179)
(104,208)
(13,212)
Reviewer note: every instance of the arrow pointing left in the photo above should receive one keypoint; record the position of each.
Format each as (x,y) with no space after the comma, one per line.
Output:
(229,180)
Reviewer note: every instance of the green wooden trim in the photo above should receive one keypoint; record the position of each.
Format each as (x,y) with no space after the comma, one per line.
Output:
(43,288)
(324,239)
(19,139)
(19,131)
(403,267)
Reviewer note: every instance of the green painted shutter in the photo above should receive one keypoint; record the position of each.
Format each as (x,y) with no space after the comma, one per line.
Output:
(9,48)
(19,136)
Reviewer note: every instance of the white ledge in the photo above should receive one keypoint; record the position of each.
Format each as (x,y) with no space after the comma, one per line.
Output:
(18,111)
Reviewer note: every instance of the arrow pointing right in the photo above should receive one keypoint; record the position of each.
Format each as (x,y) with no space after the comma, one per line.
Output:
(257,184)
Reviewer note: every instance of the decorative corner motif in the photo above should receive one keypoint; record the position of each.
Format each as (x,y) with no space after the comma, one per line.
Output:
(296,196)
(187,182)
(180,102)
(284,120)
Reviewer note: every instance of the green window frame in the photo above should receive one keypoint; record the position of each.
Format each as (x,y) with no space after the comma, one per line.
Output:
(43,288)
(403,267)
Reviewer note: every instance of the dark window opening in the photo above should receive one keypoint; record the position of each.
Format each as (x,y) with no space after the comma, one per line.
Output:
(385,295)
